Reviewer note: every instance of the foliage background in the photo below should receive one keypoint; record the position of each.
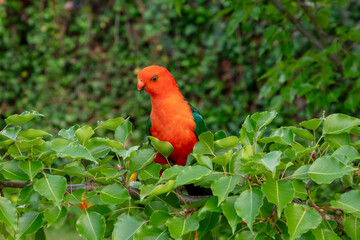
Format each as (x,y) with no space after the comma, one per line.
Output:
(77,61)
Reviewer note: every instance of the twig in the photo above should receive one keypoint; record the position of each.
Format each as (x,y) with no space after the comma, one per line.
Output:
(323,35)
(70,187)
(314,41)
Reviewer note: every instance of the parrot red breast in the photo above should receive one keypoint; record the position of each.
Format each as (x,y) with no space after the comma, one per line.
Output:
(172,119)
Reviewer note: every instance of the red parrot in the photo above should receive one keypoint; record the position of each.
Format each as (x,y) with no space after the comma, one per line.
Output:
(172,119)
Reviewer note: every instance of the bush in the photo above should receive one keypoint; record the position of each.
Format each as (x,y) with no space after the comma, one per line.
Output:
(79,64)
(283,183)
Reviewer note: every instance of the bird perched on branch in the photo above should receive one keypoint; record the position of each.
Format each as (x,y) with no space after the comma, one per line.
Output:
(172,119)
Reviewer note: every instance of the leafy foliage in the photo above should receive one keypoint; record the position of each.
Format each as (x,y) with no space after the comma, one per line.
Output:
(269,183)
(78,62)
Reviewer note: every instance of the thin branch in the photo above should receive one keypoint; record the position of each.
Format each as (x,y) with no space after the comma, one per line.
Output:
(70,187)
(314,41)
(133,192)
(323,35)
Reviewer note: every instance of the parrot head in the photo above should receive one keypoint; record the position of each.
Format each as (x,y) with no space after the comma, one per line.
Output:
(156,80)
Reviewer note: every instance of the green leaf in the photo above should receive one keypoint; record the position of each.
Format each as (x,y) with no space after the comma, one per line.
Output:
(84,133)
(339,123)
(203,160)
(248,204)
(52,187)
(31,168)
(248,235)
(271,160)
(300,189)
(171,173)
(349,202)
(165,148)
(224,159)
(11,170)
(12,132)
(111,124)
(126,226)
(324,234)
(352,227)
(209,222)
(263,118)
(111,173)
(7,212)
(75,196)
(347,151)
(337,140)
(228,207)
(278,192)
(99,148)
(205,145)
(141,159)
(75,169)
(211,205)
(179,226)
(281,135)
(223,186)
(178,4)
(145,190)
(54,214)
(153,206)
(77,152)
(302,172)
(351,66)
(25,195)
(28,223)
(59,144)
(123,131)
(91,225)
(191,174)
(312,124)
(163,188)
(228,142)
(151,172)
(300,219)
(159,217)
(248,132)
(326,169)
(28,146)
(22,118)
(150,232)
(300,132)
(69,133)
(236,18)
(33,133)
(114,194)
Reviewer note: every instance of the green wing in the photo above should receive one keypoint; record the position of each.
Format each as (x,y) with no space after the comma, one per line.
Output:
(199,121)
(148,126)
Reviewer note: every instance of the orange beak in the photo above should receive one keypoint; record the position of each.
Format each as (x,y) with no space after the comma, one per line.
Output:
(140,84)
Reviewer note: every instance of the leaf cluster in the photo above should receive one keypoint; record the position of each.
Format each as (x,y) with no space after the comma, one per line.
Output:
(283,183)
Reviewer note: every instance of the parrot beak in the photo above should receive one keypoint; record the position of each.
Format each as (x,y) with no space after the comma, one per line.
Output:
(140,85)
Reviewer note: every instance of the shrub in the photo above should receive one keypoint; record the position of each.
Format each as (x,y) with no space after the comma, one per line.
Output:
(280,183)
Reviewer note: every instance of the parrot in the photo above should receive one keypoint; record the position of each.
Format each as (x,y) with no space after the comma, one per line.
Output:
(172,118)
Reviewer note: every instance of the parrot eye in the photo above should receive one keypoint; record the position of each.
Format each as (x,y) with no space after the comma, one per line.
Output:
(154,78)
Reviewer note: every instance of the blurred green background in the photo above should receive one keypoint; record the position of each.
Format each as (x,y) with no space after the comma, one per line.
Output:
(76,62)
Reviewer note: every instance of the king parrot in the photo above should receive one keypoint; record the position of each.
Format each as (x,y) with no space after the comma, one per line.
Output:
(172,119)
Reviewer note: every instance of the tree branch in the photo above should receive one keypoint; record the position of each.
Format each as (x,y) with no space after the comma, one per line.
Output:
(70,187)
(323,35)
(133,192)
(314,41)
